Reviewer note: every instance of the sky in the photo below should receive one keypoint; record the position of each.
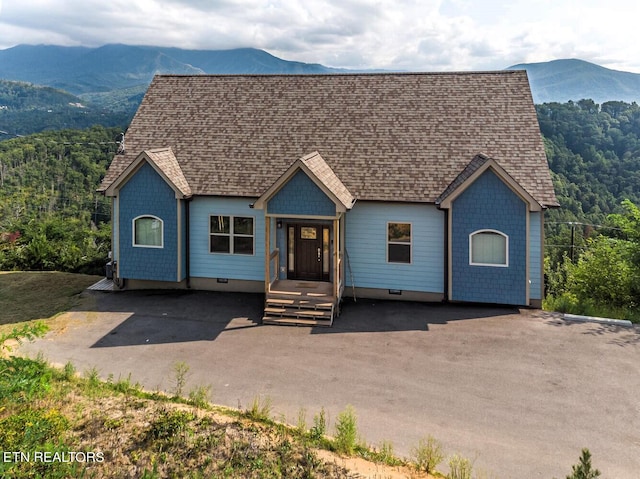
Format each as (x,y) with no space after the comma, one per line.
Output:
(409,35)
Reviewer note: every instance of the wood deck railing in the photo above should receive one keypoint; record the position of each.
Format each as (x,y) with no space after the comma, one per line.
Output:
(273,270)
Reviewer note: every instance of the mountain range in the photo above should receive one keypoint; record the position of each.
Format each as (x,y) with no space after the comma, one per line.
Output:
(115,77)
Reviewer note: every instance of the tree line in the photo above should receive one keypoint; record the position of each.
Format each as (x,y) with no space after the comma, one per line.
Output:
(51,217)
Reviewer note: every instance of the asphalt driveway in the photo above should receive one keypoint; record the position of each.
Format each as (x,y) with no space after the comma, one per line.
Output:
(521,392)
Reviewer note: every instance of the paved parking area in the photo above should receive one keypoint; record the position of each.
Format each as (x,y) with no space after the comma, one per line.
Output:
(521,393)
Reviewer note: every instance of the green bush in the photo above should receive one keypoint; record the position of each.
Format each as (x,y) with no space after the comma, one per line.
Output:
(583,469)
(346,438)
(427,454)
(169,424)
(459,467)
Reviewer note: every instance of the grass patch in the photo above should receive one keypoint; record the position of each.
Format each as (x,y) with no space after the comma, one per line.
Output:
(26,296)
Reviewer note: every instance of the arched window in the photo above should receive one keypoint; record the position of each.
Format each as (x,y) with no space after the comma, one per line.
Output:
(488,248)
(148,232)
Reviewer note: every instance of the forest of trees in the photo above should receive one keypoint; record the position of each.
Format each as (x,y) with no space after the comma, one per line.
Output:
(27,109)
(51,217)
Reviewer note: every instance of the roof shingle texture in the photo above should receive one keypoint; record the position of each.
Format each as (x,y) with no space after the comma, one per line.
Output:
(325,174)
(388,137)
(167,162)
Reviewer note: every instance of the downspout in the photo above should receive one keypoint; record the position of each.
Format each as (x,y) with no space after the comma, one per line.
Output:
(446,256)
(187,240)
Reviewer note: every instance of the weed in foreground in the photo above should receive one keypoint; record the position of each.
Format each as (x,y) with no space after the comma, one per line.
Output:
(584,470)
(319,428)
(260,409)
(200,397)
(180,370)
(459,467)
(427,454)
(346,438)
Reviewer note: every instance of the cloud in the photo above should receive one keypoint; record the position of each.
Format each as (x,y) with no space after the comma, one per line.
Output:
(391,34)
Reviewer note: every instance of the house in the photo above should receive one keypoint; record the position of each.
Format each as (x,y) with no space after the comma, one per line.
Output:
(411,186)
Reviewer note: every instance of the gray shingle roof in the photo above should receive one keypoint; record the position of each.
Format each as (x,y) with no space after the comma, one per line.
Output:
(390,137)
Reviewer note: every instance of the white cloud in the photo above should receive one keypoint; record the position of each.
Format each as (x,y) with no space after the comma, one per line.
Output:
(392,34)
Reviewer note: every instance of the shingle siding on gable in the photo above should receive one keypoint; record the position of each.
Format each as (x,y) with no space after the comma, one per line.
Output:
(301,196)
(366,243)
(146,193)
(489,204)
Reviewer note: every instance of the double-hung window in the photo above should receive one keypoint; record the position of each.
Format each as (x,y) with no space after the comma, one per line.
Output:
(399,242)
(231,234)
(488,248)
(148,232)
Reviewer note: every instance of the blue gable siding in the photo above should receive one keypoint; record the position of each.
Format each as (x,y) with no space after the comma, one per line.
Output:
(489,204)
(301,196)
(535,255)
(219,265)
(366,244)
(146,193)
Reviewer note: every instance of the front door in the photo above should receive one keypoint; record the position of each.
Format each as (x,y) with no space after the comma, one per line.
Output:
(311,255)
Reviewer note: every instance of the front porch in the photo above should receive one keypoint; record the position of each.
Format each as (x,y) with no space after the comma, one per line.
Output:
(300,303)
(304,214)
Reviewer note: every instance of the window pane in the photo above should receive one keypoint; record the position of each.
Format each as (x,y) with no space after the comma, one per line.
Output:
(291,245)
(399,253)
(489,248)
(243,244)
(220,244)
(325,250)
(308,232)
(148,232)
(220,224)
(400,232)
(242,226)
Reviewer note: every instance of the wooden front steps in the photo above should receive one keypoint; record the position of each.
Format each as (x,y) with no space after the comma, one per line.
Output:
(299,306)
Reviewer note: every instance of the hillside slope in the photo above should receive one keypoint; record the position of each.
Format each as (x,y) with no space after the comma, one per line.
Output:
(564,80)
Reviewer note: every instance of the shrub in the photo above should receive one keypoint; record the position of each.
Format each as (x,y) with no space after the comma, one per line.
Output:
(319,428)
(260,409)
(346,439)
(427,454)
(459,467)
(169,424)
(583,469)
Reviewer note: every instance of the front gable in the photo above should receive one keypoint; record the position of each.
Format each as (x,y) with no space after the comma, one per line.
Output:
(300,196)
(488,204)
(309,188)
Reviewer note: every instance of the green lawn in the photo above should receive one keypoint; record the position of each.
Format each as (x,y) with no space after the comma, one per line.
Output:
(25,296)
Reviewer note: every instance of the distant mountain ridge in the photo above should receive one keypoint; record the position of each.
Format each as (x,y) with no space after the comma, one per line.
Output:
(572,79)
(115,76)
(81,70)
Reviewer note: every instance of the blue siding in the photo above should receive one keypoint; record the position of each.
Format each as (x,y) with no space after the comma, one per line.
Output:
(146,193)
(231,266)
(183,241)
(115,229)
(301,196)
(535,255)
(489,204)
(366,244)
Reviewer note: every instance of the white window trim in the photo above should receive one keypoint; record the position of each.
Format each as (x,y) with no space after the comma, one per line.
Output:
(231,235)
(133,232)
(506,245)
(387,242)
